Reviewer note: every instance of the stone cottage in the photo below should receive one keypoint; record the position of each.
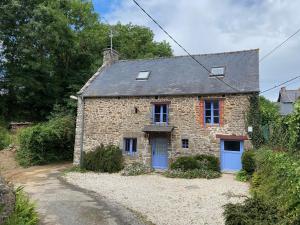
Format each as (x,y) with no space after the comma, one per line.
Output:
(162,108)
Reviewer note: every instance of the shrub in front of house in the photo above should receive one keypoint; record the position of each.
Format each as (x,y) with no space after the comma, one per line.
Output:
(136,169)
(206,162)
(192,174)
(198,166)
(248,161)
(47,142)
(104,159)
(242,176)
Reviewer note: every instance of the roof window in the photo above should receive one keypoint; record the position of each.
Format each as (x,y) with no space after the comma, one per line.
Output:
(217,71)
(143,75)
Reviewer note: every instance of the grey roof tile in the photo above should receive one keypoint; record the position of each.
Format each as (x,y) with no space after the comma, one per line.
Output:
(178,76)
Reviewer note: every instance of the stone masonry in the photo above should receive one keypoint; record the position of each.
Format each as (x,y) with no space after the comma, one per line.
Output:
(111,119)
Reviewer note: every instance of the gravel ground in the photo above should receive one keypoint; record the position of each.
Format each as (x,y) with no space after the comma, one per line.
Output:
(165,201)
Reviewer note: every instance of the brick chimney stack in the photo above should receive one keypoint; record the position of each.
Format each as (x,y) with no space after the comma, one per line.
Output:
(110,56)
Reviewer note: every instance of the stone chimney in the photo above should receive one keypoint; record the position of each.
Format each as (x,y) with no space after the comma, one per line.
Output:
(283,89)
(110,56)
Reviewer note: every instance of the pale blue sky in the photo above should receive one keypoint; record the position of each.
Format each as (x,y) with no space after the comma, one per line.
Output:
(209,26)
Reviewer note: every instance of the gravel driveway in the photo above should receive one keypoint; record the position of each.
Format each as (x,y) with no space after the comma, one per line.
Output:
(165,201)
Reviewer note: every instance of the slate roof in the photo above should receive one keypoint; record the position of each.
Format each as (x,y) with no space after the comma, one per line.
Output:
(179,75)
(288,96)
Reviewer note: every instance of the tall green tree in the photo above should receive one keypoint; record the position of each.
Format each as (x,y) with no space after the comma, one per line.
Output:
(51,48)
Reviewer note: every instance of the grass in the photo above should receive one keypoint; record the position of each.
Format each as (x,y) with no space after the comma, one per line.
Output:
(24,213)
(75,169)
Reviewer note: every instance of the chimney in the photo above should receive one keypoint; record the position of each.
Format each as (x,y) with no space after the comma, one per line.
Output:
(283,89)
(110,56)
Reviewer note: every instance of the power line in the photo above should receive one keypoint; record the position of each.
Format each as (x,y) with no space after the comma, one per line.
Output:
(176,42)
(278,85)
(278,46)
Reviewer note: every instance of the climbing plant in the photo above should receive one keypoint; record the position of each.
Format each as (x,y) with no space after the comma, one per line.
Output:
(254,120)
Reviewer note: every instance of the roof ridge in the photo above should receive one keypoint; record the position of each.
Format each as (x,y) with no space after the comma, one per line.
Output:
(181,56)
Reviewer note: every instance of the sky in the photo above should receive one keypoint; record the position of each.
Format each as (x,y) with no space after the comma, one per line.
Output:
(210,26)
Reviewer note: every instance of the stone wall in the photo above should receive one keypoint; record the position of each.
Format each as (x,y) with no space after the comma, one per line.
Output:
(110,120)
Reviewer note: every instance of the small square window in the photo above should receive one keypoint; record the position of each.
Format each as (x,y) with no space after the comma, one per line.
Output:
(185,143)
(232,146)
(143,75)
(217,71)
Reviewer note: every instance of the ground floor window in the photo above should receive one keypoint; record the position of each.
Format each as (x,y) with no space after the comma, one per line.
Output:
(185,143)
(130,145)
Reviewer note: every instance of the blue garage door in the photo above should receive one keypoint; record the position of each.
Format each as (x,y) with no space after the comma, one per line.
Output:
(231,155)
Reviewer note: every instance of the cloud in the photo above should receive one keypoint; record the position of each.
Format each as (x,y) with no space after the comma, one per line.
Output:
(209,26)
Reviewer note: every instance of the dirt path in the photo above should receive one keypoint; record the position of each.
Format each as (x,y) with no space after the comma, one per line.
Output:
(59,203)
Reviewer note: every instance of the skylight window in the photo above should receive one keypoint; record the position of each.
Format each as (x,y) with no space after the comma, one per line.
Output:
(143,75)
(217,71)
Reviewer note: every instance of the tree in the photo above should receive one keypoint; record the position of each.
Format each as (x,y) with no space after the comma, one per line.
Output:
(269,111)
(51,48)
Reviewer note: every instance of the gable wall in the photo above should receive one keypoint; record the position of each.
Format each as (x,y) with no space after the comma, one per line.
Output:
(109,120)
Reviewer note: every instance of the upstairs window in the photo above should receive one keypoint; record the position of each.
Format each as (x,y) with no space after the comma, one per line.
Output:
(143,75)
(217,71)
(212,112)
(130,145)
(160,113)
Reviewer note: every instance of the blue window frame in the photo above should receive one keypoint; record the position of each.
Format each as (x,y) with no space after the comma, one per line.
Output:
(160,112)
(130,145)
(212,112)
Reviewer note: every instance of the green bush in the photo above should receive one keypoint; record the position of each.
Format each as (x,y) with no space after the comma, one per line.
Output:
(136,169)
(185,163)
(104,159)
(191,174)
(47,142)
(248,161)
(243,176)
(4,138)
(24,213)
(277,182)
(252,212)
(203,162)
(209,162)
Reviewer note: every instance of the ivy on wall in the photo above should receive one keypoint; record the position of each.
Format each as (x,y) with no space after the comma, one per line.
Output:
(254,120)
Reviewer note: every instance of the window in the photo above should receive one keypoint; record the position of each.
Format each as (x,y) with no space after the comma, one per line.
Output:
(130,146)
(185,143)
(143,75)
(212,112)
(217,71)
(160,113)
(232,146)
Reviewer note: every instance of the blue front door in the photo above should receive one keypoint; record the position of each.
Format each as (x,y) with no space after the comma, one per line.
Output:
(231,155)
(160,153)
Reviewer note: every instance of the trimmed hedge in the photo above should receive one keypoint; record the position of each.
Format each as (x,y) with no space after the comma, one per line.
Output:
(248,161)
(104,159)
(47,142)
(192,174)
(198,166)
(206,162)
